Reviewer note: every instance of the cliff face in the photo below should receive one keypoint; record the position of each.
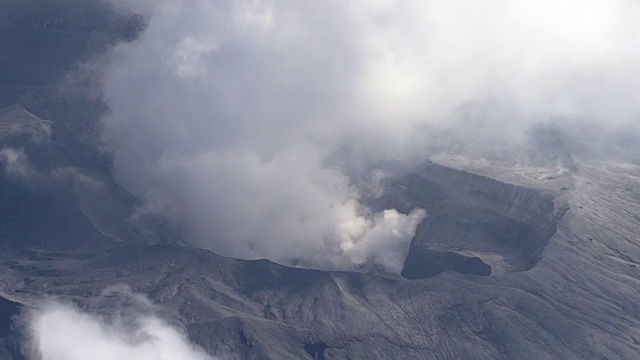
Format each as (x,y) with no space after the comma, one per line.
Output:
(475,224)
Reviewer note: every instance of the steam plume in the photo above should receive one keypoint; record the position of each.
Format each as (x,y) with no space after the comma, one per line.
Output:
(258,125)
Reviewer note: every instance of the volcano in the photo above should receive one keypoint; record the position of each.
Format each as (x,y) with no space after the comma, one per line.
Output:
(533,256)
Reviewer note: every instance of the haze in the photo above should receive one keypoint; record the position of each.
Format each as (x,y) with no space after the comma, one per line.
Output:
(262,127)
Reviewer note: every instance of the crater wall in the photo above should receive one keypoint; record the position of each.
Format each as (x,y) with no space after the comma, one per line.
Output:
(475,224)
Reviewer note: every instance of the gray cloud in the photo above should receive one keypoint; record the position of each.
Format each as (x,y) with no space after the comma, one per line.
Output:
(258,125)
(61,331)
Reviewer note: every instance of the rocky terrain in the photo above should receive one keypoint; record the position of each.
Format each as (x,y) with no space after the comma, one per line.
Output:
(515,260)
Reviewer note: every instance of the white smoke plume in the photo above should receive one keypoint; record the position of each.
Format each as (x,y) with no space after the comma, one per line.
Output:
(15,163)
(61,331)
(256,124)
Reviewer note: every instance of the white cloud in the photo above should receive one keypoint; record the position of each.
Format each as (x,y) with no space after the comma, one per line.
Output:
(15,163)
(189,57)
(280,109)
(60,331)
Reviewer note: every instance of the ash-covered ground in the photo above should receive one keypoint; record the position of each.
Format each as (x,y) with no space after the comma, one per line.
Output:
(529,253)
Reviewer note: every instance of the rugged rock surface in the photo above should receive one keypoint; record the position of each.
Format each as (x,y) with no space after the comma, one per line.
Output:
(579,301)
(475,224)
(558,238)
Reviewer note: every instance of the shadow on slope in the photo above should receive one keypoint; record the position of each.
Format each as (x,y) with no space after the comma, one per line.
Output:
(9,345)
